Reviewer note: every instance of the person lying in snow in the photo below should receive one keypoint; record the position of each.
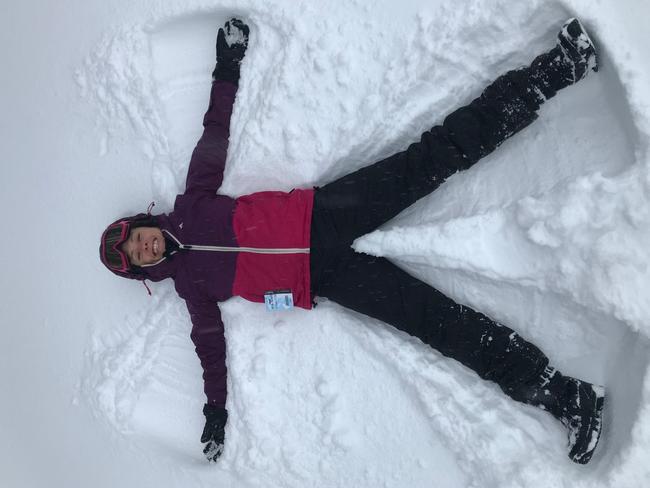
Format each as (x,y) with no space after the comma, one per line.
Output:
(285,249)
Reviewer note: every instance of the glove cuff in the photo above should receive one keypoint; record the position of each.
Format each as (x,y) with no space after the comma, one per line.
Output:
(225,74)
(214,414)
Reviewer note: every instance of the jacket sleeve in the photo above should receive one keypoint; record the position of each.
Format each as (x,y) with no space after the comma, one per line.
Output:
(209,157)
(210,345)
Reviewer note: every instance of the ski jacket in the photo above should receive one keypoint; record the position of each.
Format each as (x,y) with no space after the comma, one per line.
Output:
(230,247)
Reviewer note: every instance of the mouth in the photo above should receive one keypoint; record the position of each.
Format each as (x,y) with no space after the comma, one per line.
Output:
(154,247)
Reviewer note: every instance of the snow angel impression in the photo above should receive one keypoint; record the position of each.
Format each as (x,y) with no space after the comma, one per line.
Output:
(284,249)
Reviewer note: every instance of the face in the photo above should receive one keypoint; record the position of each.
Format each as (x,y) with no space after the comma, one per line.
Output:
(145,245)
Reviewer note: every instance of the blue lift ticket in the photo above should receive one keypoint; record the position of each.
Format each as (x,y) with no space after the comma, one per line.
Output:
(278,300)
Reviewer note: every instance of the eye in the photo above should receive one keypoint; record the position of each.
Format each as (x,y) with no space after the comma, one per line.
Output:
(139,237)
(139,256)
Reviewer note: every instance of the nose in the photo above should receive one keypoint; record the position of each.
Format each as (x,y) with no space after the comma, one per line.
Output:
(144,245)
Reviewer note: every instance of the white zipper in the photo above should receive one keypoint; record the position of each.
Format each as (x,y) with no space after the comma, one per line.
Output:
(255,250)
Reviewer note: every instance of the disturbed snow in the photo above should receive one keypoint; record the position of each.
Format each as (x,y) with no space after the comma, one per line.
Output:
(547,235)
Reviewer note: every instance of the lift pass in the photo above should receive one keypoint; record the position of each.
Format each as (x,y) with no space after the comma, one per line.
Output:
(278,300)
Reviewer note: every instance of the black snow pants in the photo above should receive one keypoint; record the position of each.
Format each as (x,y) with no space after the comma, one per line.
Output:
(361,201)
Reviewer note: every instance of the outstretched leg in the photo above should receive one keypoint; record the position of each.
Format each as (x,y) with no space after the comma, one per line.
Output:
(361,201)
(376,287)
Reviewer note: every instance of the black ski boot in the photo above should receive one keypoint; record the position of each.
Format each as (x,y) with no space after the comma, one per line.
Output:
(575,403)
(570,60)
(577,48)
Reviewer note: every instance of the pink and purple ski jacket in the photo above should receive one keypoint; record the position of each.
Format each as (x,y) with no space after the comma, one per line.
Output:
(230,247)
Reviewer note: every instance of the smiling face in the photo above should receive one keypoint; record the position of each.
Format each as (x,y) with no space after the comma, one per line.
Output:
(145,245)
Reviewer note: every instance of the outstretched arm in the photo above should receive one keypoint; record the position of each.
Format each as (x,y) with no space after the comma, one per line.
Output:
(210,344)
(208,337)
(209,157)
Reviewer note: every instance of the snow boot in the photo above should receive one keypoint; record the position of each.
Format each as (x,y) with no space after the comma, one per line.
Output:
(570,60)
(578,405)
(577,48)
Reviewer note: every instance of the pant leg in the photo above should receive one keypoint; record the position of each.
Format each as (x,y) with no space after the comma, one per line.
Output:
(361,201)
(377,288)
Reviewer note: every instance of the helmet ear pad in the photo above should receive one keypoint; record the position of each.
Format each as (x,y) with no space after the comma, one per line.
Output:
(143,220)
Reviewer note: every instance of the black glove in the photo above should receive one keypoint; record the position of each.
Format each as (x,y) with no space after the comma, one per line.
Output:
(213,432)
(230,54)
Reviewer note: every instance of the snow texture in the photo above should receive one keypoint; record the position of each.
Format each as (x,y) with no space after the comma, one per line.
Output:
(101,108)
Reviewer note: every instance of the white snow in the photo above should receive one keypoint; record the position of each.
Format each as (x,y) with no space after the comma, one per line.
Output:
(101,107)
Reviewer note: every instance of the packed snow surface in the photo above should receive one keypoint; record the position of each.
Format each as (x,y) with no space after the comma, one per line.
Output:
(102,105)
